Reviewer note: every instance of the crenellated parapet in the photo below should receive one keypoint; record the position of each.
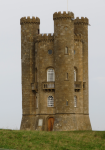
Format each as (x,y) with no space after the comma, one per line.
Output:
(63,15)
(78,37)
(29,20)
(44,38)
(81,20)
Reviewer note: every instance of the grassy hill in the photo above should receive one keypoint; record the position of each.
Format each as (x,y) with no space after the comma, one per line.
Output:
(41,140)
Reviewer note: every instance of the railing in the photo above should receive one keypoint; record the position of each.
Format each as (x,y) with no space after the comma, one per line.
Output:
(35,86)
(77,85)
(48,85)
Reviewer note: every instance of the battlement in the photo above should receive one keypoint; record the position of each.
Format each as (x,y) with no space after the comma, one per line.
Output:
(78,37)
(44,37)
(29,20)
(65,15)
(81,20)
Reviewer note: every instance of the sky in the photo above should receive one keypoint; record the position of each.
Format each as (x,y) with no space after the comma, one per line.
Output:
(10,53)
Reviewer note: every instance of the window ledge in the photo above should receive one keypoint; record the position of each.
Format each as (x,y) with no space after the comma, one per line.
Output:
(66,80)
(50,107)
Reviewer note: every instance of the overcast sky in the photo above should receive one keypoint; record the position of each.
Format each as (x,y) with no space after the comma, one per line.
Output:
(10,53)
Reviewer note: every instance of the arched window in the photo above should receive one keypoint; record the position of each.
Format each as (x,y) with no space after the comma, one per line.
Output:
(75,74)
(50,101)
(66,50)
(50,75)
(75,101)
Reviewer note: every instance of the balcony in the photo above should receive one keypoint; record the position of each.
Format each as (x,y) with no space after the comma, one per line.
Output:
(35,86)
(48,86)
(77,86)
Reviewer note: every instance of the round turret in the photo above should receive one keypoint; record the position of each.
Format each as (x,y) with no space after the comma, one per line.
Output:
(63,54)
(81,27)
(29,30)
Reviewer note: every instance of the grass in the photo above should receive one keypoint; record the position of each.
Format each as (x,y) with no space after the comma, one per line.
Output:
(42,140)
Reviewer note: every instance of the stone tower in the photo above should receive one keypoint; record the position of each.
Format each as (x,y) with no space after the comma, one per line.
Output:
(55,74)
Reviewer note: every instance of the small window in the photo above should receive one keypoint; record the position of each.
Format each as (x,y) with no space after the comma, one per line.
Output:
(50,52)
(74,52)
(84,85)
(66,102)
(38,31)
(36,102)
(50,101)
(35,74)
(75,101)
(66,28)
(40,122)
(74,74)
(50,75)
(66,50)
(67,76)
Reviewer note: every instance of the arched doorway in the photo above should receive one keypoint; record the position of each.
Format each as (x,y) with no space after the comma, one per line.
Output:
(50,124)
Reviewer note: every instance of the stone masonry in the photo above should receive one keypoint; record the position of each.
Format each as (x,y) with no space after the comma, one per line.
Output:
(69,52)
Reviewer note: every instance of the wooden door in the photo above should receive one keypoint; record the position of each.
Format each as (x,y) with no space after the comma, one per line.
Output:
(50,124)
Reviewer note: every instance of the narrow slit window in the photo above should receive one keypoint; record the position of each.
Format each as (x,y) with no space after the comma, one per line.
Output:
(35,74)
(66,102)
(74,74)
(36,102)
(38,31)
(75,101)
(66,50)
(67,76)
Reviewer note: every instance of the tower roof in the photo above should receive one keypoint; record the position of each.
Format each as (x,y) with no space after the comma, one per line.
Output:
(81,20)
(29,20)
(60,15)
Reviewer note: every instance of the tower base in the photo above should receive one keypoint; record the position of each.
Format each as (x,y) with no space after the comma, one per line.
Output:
(71,122)
(62,122)
(28,122)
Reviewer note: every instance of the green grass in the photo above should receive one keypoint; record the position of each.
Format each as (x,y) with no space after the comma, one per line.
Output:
(42,140)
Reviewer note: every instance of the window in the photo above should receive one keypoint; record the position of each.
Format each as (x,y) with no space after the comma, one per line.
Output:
(50,75)
(66,102)
(74,52)
(35,74)
(74,74)
(75,101)
(36,102)
(66,50)
(49,51)
(67,76)
(40,122)
(50,101)
(38,31)
(84,85)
